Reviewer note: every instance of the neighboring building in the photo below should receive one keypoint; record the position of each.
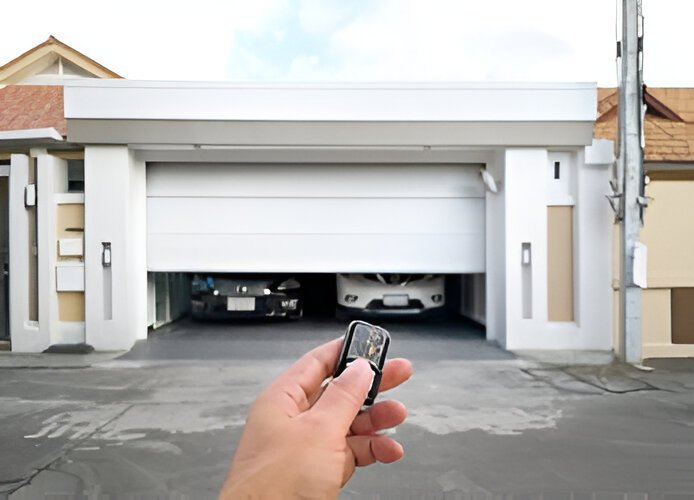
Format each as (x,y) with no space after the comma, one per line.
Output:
(33,126)
(186,177)
(668,231)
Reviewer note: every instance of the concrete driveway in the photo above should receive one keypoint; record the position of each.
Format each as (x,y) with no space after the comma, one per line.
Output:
(162,421)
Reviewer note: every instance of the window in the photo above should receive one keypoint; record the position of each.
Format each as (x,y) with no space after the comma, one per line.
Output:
(75,176)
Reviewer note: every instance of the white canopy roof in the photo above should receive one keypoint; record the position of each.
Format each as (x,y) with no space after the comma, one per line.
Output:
(329,114)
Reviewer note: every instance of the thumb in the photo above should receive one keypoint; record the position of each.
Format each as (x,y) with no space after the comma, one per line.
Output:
(345,395)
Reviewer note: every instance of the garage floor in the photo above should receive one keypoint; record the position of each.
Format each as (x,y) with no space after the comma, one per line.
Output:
(186,339)
(163,420)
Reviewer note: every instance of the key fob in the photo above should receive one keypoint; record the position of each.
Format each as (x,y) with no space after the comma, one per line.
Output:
(364,340)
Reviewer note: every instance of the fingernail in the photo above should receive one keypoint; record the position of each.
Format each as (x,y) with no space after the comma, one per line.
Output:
(362,361)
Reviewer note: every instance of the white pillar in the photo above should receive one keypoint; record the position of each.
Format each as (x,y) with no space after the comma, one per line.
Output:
(496,254)
(115,215)
(25,333)
(46,169)
(526,223)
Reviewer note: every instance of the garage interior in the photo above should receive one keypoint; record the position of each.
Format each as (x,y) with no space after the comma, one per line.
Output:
(313,221)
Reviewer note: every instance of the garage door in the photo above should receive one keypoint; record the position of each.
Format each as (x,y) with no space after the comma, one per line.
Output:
(315,218)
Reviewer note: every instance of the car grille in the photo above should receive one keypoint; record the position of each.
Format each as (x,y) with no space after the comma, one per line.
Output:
(378,305)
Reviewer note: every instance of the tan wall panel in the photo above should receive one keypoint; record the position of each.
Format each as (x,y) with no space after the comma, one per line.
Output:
(668,233)
(69,155)
(655,319)
(560,282)
(69,216)
(71,306)
(682,315)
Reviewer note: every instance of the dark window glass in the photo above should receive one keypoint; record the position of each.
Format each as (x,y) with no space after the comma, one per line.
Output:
(75,176)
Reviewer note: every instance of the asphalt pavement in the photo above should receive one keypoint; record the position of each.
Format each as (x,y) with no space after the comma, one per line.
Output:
(162,421)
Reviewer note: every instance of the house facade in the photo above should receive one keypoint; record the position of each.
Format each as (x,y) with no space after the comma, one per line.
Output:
(502,185)
(668,232)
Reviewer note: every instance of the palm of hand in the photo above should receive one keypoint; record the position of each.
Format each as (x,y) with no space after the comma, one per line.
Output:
(300,442)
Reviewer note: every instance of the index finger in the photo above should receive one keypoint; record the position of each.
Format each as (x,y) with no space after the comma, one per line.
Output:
(292,390)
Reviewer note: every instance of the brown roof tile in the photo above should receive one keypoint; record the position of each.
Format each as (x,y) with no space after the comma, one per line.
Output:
(669,131)
(32,106)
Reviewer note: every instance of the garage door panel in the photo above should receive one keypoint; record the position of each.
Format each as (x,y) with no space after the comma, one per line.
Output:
(315,218)
(314,215)
(306,181)
(443,253)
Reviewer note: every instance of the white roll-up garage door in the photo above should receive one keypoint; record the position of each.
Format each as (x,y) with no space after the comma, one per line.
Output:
(315,218)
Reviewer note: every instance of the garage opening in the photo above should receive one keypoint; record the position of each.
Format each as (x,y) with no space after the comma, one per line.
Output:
(173,296)
(315,222)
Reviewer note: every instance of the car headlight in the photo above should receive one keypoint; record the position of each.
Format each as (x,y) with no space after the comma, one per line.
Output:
(290,284)
(437,298)
(350,298)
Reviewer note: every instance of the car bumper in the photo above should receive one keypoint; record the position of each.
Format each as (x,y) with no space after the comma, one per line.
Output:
(266,306)
(393,312)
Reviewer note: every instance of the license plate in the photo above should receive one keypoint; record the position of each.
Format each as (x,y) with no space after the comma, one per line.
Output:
(290,304)
(240,303)
(396,300)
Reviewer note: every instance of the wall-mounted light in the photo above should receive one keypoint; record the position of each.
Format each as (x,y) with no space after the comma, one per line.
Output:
(488,181)
(106,254)
(30,195)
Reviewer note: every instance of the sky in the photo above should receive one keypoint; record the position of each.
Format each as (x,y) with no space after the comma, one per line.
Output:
(357,40)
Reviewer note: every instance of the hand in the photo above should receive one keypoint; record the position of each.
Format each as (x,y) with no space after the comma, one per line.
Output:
(301,443)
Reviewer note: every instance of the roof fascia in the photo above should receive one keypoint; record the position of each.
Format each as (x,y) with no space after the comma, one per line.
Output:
(34,60)
(132,100)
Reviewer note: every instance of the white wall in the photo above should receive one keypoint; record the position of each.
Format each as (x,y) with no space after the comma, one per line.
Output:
(594,226)
(25,334)
(527,198)
(496,252)
(115,204)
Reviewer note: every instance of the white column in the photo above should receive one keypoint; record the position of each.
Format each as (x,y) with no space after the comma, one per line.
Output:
(115,214)
(593,273)
(496,254)
(25,333)
(526,222)
(47,168)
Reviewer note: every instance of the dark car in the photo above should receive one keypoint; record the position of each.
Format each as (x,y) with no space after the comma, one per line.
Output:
(219,296)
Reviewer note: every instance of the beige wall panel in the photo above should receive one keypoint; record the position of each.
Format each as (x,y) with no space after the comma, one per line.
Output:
(668,351)
(655,319)
(71,306)
(69,155)
(560,282)
(69,216)
(668,233)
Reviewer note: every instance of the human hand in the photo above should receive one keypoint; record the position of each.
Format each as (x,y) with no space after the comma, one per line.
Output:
(301,443)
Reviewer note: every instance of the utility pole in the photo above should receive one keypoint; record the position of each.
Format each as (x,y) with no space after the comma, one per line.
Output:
(631,173)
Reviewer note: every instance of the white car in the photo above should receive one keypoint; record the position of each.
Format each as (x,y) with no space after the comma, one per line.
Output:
(390,294)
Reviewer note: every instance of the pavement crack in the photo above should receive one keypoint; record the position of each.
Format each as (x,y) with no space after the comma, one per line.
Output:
(600,378)
(69,446)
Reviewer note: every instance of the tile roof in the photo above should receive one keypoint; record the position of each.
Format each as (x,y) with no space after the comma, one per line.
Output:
(32,106)
(668,127)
